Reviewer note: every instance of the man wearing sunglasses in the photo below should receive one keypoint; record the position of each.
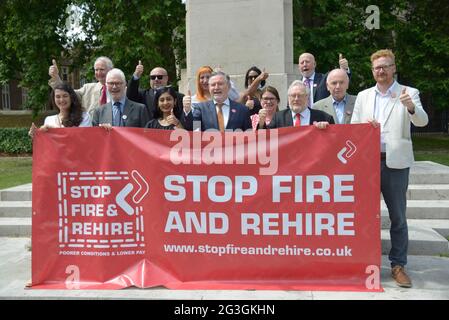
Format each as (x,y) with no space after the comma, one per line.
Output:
(158,79)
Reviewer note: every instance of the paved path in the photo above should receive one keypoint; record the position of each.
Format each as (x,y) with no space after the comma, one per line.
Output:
(430,277)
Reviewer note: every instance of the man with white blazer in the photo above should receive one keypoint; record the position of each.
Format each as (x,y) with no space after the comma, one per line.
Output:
(92,94)
(393,107)
(339,104)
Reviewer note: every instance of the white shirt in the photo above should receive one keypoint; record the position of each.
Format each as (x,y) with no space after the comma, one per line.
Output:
(304,116)
(311,78)
(380,106)
(225,108)
(53,121)
(339,107)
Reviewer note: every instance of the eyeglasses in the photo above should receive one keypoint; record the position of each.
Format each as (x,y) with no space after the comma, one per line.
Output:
(268,99)
(385,67)
(114,84)
(297,96)
(159,77)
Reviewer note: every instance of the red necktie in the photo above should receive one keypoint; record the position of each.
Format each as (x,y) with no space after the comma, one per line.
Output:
(297,120)
(103,99)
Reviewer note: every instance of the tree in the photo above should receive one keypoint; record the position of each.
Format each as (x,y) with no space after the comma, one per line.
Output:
(415,30)
(131,30)
(32,31)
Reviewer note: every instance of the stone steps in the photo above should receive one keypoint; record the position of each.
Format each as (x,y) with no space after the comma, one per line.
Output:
(15,227)
(423,241)
(427,211)
(15,209)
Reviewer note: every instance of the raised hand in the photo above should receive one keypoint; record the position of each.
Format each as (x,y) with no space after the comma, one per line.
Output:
(344,64)
(406,100)
(139,70)
(53,71)
(262,115)
(171,119)
(187,102)
(32,131)
(264,75)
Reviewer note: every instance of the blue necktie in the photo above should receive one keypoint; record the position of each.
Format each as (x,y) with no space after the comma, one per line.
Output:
(116,115)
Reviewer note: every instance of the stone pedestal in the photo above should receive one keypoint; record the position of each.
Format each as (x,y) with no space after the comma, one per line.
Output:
(239,34)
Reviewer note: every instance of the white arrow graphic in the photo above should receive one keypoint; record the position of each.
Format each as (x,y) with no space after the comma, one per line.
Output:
(120,199)
(350,149)
(144,188)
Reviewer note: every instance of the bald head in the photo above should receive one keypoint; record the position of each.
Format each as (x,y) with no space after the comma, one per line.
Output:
(306,64)
(337,83)
(158,78)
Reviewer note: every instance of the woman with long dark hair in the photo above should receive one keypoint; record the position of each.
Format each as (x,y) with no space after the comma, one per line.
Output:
(64,99)
(163,118)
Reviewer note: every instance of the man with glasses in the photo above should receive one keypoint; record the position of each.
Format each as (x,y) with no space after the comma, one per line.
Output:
(393,107)
(120,111)
(158,79)
(299,114)
(91,94)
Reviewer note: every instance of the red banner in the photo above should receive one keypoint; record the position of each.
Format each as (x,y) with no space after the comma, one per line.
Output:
(287,209)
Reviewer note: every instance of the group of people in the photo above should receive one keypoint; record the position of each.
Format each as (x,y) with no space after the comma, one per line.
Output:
(314,99)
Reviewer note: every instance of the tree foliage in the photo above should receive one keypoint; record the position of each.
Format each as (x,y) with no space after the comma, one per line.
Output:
(35,31)
(417,31)
(32,31)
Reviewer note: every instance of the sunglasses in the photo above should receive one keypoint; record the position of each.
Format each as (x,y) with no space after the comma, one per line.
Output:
(159,77)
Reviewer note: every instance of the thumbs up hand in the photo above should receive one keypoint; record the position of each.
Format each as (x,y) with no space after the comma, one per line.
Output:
(139,70)
(249,103)
(53,71)
(187,102)
(407,101)
(264,75)
(171,119)
(343,62)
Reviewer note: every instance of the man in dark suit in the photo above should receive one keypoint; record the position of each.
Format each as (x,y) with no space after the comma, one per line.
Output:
(221,113)
(120,111)
(339,104)
(158,79)
(316,81)
(298,114)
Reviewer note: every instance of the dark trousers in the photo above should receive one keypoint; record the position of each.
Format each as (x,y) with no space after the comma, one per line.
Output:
(393,185)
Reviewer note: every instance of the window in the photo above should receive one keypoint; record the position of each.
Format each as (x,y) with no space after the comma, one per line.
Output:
(65,74)
(6,100)
(24,97)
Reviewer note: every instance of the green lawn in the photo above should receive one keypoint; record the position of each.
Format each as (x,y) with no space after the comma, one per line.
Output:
(432,148)
(17,170)
(14,171)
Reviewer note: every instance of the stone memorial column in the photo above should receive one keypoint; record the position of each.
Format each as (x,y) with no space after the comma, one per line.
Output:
(239,34)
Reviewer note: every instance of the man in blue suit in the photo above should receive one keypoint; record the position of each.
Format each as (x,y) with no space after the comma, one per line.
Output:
(220,113)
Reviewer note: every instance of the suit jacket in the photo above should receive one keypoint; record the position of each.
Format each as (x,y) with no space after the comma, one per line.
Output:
(89,95)
(206,113)
(327,105)
(146,97)
(319,86)
(284,118)
(136,114)
(399,149)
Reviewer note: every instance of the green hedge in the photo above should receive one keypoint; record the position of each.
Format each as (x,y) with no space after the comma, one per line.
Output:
(15,141)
